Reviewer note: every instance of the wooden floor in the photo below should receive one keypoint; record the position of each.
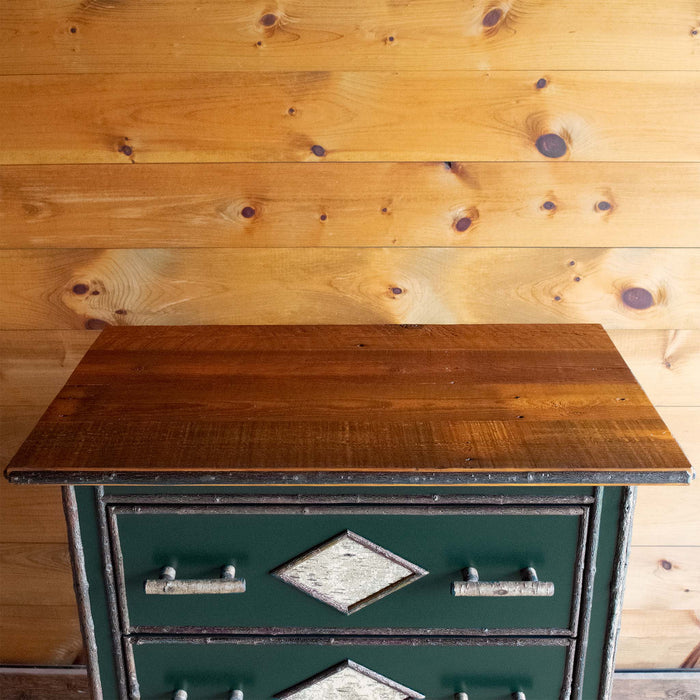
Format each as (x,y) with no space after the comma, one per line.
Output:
(432,161)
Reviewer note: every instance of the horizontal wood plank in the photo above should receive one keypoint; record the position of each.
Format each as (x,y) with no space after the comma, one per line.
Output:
(350,116)
(666,363)
(621,288)
(57,683)
(683,685)
(122,388)
(663,578)
(30,514)
(35,572)
(656,638)
(349,204)
(35,364)
(48,37)
(39,634)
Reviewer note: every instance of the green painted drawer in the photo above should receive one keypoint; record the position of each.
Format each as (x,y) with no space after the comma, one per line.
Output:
(210,671)
(198,540)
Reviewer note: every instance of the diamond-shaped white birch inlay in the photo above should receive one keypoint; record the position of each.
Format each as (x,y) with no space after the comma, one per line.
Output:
(348,572)
(349,681)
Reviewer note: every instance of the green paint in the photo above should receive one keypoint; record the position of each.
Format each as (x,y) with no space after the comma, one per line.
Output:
(499,547)
(209,672)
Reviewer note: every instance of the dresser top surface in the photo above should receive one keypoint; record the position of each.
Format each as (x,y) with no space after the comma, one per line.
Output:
(425,404)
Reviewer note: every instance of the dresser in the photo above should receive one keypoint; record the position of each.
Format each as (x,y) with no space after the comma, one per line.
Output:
(350,512)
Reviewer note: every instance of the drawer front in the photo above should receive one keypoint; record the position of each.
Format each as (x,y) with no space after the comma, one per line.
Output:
(310,672)
(198,541)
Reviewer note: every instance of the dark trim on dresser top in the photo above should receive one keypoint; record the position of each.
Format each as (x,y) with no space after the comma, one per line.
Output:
(340,478)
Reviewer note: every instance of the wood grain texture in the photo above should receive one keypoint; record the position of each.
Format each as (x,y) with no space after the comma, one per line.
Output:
(666,363)
(35,571)
(51,37)
(668,517)
(350,116)
(675,632)
(655,686)
(34,365)
(33,514)
(622,288)
(22,683)
(39,634)
(664,578)
(350,204)
(120,388)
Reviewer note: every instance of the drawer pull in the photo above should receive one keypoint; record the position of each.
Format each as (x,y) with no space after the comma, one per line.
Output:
(168,584)
(529,586)
(515,696)
(182,694)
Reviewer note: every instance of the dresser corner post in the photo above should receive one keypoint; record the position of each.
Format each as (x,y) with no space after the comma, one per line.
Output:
(81,587)
(622,551)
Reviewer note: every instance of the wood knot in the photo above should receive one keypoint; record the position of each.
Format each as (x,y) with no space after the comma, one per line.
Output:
(637,298)
(551,145)
(80,288)
(492,17)
(126,150)
(549,205)
(463,223)
(603,206)
(248,212)
(319,151)
(268,19)
(541,83)
(95,324)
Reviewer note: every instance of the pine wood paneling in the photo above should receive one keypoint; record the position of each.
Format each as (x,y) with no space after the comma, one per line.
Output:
(87,288)
(350,116)
(48,37)
(23,683)
(666,363)
(664,578)
(349,204)
(39,634)
(31,572)
(669,516)
(683,685)
(34,365)
(654,638)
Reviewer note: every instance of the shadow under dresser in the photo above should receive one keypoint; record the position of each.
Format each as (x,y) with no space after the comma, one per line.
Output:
(350,512)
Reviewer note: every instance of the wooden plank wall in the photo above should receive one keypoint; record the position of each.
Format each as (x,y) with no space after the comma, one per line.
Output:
(291,161)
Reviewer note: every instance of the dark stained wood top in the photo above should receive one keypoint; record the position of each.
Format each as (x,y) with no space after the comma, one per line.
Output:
(463,404)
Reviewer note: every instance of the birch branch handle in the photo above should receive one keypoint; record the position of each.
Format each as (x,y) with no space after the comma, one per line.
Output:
(530,586)
(167,584)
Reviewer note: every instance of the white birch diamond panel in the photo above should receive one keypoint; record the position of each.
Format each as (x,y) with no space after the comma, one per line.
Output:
(348,572)
(349,681)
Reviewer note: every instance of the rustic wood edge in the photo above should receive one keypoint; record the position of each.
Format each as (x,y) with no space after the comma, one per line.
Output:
(81,587)
(592,538)
(108,567)
(622,552)
(343,478)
